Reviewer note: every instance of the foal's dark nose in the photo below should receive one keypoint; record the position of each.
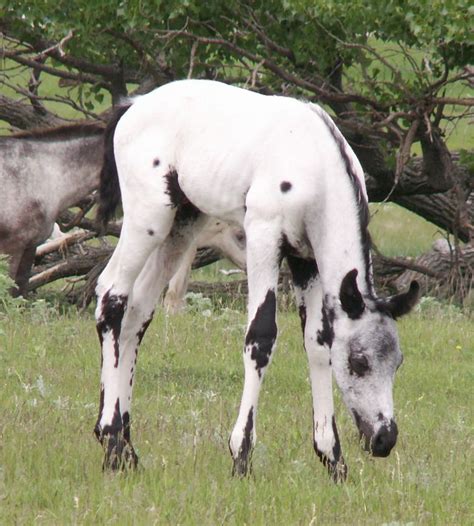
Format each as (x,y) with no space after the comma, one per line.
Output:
(384,440)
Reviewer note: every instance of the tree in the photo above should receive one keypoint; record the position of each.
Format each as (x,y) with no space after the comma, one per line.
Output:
(393,79)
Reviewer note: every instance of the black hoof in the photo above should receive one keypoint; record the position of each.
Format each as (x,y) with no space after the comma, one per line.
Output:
(242,467)
(338,471)
(119,455)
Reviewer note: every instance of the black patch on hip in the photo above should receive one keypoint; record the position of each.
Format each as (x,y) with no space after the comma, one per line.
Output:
(262,332)
(185,211)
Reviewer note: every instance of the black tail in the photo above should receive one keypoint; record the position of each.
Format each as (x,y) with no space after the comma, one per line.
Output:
(109,189)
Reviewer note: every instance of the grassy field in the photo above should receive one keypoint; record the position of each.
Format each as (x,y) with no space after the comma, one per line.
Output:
(185,404)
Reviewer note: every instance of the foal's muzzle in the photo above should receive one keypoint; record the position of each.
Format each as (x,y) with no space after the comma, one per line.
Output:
(380,443)
(383,441)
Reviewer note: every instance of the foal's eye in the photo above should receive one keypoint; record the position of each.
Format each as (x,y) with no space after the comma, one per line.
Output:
(358,364)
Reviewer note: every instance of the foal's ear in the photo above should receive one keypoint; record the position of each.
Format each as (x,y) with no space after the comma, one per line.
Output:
(351,299)
(403,303)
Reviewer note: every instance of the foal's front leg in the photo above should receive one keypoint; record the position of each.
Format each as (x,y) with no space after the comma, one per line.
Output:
(262,271)
(317,330)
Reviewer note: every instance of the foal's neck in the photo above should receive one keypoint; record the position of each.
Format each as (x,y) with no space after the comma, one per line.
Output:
(343,240)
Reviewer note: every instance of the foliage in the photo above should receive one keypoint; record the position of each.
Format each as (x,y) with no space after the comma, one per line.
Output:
(394,59)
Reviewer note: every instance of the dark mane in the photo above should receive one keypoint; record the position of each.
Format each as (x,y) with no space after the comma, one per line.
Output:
(63,132)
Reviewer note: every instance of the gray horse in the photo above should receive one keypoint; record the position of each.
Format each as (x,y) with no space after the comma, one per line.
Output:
(42,172)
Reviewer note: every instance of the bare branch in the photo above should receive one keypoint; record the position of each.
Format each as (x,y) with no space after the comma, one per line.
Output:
(192,57)
(59,47)
(324,95)
(80,77)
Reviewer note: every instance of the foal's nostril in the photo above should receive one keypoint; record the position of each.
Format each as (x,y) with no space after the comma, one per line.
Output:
(384,440)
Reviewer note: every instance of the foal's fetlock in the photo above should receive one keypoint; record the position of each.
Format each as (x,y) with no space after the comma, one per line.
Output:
(119,454)
(338,471)
(242,466)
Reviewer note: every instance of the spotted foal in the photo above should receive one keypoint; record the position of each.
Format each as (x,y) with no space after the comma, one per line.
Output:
(194,150)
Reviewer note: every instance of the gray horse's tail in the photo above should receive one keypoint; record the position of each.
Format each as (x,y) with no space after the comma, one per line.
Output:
(109,189)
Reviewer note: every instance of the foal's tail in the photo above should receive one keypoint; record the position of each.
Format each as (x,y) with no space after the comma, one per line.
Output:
(109,189)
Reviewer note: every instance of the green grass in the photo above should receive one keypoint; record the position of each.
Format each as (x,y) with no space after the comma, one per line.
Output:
(186,399)
(396,231)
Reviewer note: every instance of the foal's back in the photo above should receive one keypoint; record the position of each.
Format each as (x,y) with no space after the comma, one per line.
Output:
(222,141)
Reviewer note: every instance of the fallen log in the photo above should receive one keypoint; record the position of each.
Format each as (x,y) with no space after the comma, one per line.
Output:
(61,243)
(442,272)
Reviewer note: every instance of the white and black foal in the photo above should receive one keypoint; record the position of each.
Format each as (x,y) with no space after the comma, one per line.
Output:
(193,150)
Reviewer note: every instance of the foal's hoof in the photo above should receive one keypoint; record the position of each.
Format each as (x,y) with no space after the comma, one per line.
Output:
(119,455)
(338,471)
(241,468)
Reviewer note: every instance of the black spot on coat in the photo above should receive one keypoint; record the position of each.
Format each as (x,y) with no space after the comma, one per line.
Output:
(262,332)
(115,426)
(143,329)
(97,432)
(241,463)
(113,310)
(326,334)
(126,426)
(285,186)
(303,271)
(302,313)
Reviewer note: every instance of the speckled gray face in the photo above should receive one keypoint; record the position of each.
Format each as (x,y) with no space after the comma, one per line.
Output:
(365,356)
(364,366)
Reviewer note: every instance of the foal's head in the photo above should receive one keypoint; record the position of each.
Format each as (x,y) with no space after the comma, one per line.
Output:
(365,356)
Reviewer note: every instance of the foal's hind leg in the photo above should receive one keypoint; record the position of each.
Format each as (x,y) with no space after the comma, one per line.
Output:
(131,322)
(114,298)
(316,325)
(263,240)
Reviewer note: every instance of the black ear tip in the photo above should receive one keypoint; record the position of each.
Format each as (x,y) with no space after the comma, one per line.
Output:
(353,273)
